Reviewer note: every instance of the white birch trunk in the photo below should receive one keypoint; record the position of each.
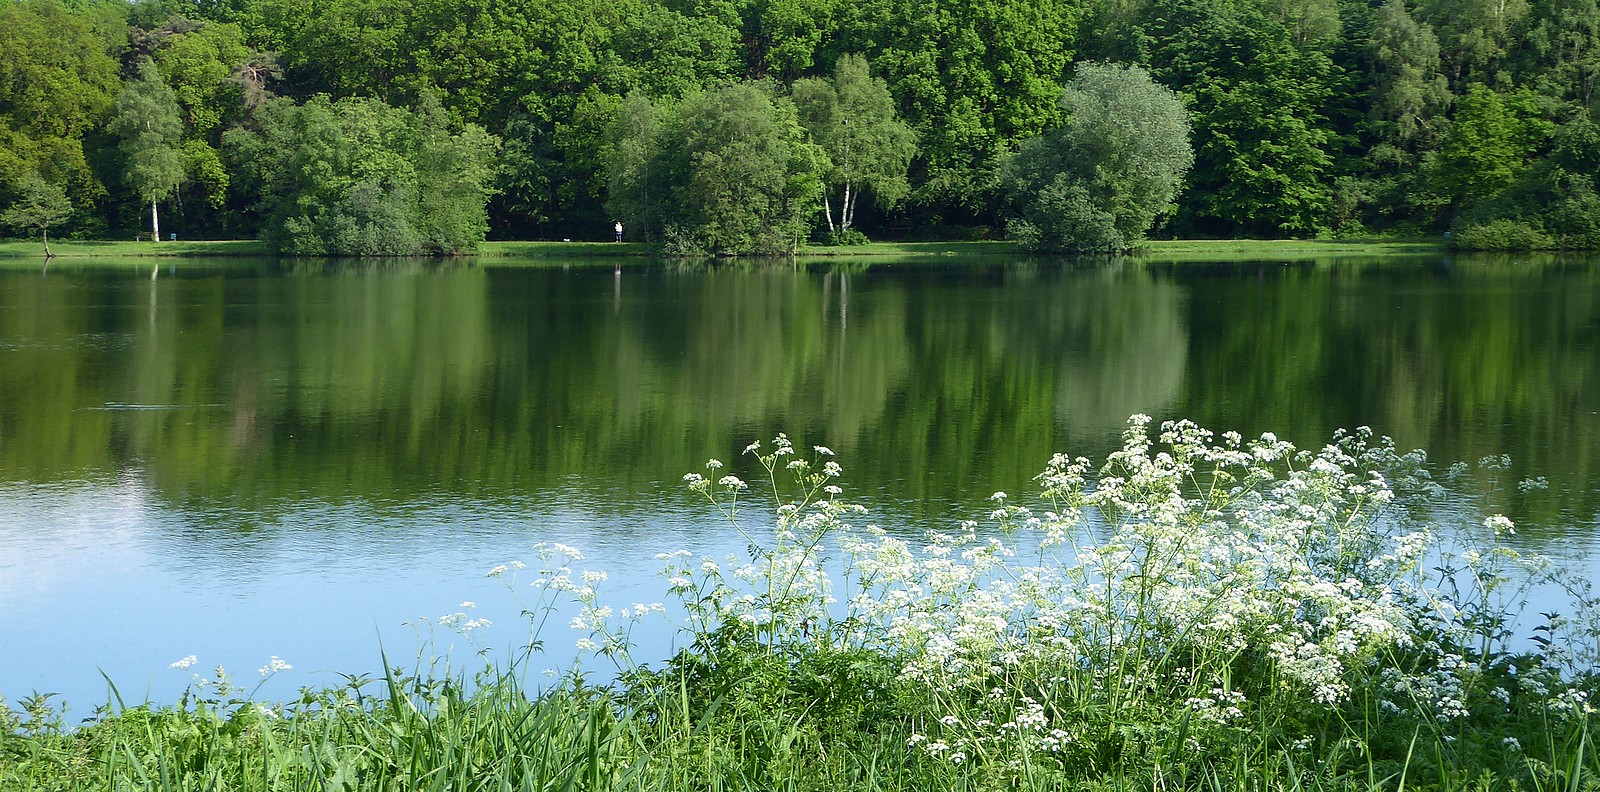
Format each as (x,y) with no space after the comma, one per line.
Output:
(155,224)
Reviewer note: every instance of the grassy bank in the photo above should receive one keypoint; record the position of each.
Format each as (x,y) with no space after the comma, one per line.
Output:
(562,250)
(76,249)
(1172,250)
(873,250)
(1284,249)
(1193,613)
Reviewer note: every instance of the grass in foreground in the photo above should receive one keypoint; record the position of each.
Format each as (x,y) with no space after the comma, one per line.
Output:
(1194,613)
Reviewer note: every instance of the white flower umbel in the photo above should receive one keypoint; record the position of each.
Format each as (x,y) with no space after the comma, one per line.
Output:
(1188,580)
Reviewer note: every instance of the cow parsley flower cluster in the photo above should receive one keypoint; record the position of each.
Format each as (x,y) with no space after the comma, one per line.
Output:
(1197,584)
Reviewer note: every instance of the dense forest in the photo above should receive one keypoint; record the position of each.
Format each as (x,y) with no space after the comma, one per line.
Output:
(378,123)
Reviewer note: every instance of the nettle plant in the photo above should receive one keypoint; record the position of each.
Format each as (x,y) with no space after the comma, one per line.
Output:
(1190,592)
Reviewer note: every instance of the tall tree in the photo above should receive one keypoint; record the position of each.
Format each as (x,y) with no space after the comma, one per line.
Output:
(733,164)
(1475,36)
(974,78)
(38,206)
(1263,160)
(1098,183)
(1488,146)
(58,74)
(356,177)
(635,179)
(1412,92)
(852,118)
(1564,51)
(147,118)
(454,167)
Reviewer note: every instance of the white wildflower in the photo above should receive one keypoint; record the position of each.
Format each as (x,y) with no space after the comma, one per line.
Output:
(1500,524)
(273,666)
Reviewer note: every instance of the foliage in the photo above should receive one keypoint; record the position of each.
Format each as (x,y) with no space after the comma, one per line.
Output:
(1502,234)
(1311,118)
(1411,93)
(147,119)
(848,237)
(357,177)
(1488,145)
(1258,93)
(852,118)
(455,175)
(1102,180)
(726,172)
(38,206)
(58,75)
(974,78)
(1551,204)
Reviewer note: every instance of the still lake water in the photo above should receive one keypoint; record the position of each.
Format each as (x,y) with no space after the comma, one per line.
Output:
(239,461)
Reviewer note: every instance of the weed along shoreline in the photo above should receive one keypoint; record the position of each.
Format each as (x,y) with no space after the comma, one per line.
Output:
(1191,611)
(14,252)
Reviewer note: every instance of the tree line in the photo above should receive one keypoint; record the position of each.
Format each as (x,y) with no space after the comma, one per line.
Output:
(376,125)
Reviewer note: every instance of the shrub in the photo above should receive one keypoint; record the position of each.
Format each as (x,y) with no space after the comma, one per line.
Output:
(1504,234)
(847,237)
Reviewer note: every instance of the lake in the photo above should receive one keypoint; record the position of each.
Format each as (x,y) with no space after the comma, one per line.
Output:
(312,461)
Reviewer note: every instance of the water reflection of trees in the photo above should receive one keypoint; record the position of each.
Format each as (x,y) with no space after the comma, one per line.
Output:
(931,382)
(1474,358)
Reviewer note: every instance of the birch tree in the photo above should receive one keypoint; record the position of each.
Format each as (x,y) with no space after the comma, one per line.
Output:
(851,117)
(147,118)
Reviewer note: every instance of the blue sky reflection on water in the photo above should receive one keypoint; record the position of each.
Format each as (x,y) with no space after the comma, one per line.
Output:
(97,576)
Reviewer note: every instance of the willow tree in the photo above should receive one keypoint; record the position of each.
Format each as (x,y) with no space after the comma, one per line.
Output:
(147,118)
(1099,182)
(852,118)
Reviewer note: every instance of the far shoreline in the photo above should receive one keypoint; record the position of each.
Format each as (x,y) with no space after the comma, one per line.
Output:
(1157,250)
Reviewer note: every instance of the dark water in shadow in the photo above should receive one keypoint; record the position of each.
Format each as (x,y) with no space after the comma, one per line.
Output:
(239,461)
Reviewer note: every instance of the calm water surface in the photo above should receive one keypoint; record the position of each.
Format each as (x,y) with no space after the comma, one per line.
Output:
(241,461)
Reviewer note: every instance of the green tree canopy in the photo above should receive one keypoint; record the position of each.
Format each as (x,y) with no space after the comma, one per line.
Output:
(1099,182)
(1488,146)
(852,118)
(37,206)
(1412,92)
(148,120)
(356,177)
(58,74)
(731,166)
